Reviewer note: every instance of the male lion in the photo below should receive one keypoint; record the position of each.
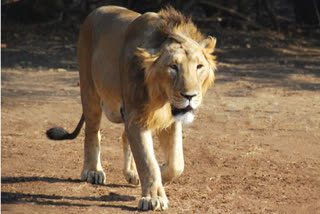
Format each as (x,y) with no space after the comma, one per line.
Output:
(149,72)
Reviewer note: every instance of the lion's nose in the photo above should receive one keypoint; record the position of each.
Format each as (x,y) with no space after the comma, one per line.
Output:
(188,96)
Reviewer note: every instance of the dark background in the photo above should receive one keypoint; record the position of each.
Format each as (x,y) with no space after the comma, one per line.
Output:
(31,26)
(280,15)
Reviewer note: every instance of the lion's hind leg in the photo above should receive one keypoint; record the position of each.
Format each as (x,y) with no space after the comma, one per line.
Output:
(171,144)
(129,170)
(92,170)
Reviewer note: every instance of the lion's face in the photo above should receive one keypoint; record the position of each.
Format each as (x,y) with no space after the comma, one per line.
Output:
(181,72)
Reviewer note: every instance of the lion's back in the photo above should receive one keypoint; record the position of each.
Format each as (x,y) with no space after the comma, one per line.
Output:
(100,42)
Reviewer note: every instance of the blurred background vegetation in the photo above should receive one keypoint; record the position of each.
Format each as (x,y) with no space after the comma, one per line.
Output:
(280,15)
(53,25)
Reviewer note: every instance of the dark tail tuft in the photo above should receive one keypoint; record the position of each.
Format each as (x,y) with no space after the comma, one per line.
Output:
(59,133)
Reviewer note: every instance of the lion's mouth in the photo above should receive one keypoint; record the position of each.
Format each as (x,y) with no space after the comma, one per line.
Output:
(176,111)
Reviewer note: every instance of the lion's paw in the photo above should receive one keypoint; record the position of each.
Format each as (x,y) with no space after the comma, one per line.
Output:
(156,204)
(132,177)
(94,177)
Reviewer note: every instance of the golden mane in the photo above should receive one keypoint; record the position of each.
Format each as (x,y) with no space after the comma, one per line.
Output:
(156,112)
(175,22)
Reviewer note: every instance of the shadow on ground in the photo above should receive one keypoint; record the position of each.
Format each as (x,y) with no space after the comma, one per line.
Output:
(59,200)
(42,199)
(271,67)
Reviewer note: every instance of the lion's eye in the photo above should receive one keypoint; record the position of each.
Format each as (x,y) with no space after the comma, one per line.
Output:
(174,67)
(199,66)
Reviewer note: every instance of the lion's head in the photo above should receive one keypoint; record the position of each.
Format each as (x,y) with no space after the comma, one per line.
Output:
(182,68)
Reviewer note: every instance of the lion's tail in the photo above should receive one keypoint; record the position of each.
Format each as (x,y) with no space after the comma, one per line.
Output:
(59,133)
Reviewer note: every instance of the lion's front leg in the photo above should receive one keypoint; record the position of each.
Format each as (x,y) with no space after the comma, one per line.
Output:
(153,194)
(171,144)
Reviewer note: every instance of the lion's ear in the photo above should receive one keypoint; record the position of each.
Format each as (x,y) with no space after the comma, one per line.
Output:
(147,58)
(209,44)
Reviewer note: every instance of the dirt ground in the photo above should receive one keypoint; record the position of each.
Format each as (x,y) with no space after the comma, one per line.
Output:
(253,148)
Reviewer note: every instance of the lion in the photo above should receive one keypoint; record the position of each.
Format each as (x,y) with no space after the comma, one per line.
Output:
(149,71)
